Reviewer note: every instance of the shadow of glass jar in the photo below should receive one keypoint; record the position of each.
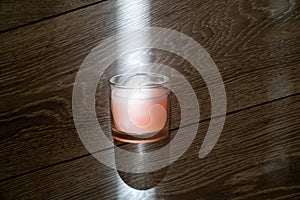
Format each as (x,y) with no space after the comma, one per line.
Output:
(142,180)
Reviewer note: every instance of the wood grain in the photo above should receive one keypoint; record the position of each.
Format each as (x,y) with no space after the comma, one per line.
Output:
(256,46)
(18,13)
(39,64)
(257,156)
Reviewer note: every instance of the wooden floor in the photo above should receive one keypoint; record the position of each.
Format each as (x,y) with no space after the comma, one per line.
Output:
(256,46)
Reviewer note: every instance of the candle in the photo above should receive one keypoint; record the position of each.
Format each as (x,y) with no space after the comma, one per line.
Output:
(139,107)
(141,110)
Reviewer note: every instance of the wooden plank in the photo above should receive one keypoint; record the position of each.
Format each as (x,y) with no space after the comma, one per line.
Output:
(18,13)
(257,157)
(39,64)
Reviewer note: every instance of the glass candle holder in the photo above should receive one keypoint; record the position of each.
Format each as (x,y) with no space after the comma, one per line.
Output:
(139,107)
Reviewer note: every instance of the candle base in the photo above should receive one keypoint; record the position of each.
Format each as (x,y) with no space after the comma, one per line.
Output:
(136,138)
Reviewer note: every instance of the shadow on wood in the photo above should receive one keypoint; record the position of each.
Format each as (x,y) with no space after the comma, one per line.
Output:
(140,163)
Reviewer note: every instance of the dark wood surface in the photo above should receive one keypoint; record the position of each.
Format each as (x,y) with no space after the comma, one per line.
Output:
(17,13)
(256,46)
(257,157)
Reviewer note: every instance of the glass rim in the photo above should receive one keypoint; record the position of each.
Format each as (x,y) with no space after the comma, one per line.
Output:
(159,84)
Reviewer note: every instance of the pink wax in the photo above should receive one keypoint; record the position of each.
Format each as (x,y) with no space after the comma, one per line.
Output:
(138,111)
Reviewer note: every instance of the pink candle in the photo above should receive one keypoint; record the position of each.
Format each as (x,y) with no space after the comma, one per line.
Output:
(139,111)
